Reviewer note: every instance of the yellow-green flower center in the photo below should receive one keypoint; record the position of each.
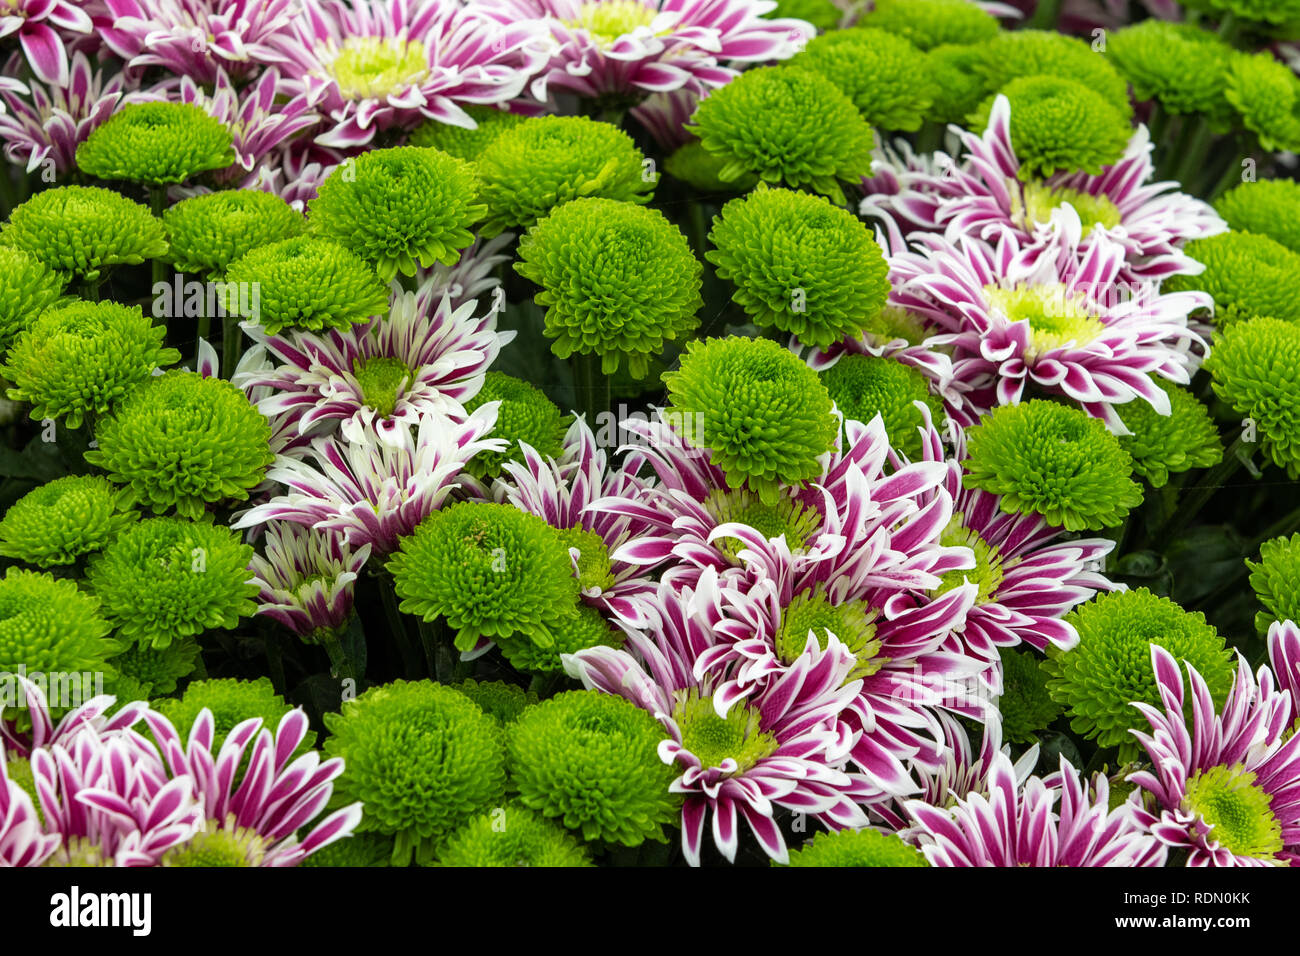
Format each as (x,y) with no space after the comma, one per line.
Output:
(78,852)
(381,379)
(713,739)
(987,573)
(375,67)
(1056,316)
(1040,200)
(853,622)
(213,847)
(593,558)
(893,322)
(1239,812)
(608,20)
(786,517)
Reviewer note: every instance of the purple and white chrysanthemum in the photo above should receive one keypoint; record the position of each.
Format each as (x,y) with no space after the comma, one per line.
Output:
(472,277)
(23,841)
(37,25)
(905,189)
(665,115)
(1284,656)
(306,578)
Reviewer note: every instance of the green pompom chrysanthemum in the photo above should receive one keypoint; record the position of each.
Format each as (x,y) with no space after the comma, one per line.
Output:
(929,23)
(1053,460)
(1015,54)
(618,281)
(1025,705)
(1274,12)
(308,283)
(498,699)
(696,166)
(1247,275)
(591,761)
(27,288)
(765,416)
(207,233)
(490,569)
(466,144)
(63,519)
(156,143)
(800,264)
(957,86)
(78,360)
(512,835)
(231,702)
(1266,94)
(580,629)
(1276,581)
(882,73)
(399,208)
(152,671)
(357,850)
(181,440)
(863,386)
(165,578)
(1110,668)
(1180,65)
(1164,444)
(1269,207)
(785,124)
(1254,367)
(823,14)
(856,848)
(524,415)
(84,230)
(423,758)
(544,162)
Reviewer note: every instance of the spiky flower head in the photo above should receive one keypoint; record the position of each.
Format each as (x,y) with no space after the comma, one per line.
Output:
(183,441)
(490,570)
(1247,274)
(1026,706)
(929,23)
(145,672)
(881,72)
(864,386)
(463,143)
(764,415)
(541,163)
(77,361)
(1180,65)
(695,165)
(512,835)
(400,208)
(955,81)
(209,232)
(306,579)
(590,761)
(27,288)
(618,281)
(822,14)
(230,702)
(1163,444)
(232,846)
(64,519)
(84,230)
(1257,12)
(422,757)
(525,415)
(165,578)
(857,847)
(581,628)
(1266,95)
(800,264)
(359,850)
(497,699)
(1269,207)
(1053,460)
(1253,364)
(1276,581)
(786,125)
(156,143)
(1015,54)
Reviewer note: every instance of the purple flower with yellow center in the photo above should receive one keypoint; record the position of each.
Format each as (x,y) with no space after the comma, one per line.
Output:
(305,580)
(37,25)
(1284,656)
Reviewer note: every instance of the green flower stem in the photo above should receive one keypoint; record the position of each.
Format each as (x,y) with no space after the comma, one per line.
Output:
(397,627)
(158,204)
(1203,491)
(1046,14)
(231,337)
(1191,159)
(275,664)
(437,651)
(90,290)
(590,385)
(1230,177)
(341,666)
(1228,28)
(930,137)
(1287,524)
(1156,122)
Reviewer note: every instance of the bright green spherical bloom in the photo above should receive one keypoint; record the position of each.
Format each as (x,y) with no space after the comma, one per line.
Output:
(77,361)
(882,73)
(1254,367)
(1053,460)
(1180,65)
(1275,12)
(49,626)
(209,232)
(864,386)
(512,835)
(591,762)
(156,143)
(27,288)
(822,14)
(307,283)
(525,415)
(786,125)
(359,849)
(423,758)
(1247,274)
(618,281)
(1269,207)
(498,699)
(218,847)
(1110,668)
(231,702)
(1025,705)
(1014,54)
(153,671)
(399,208)
(490,569)
(1165,444)
(1276,581)
(696,166)
(1266,95)
(957,85)
(84,230)
(800,264)
(856,848)
(543,162)
(63,519)
(582,628)
(165,578)
(764,415)
(929,23)
(466,144)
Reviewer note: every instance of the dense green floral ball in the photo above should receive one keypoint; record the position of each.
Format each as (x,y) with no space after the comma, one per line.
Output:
(466,144)
(498,699)
(48,626)
(764,415)
(77,361)
(166,578)
(882,73)
(209,232)
(183,441)
(308,283)
(490,569)
(1164,444)
(591,762)
(696,166)
(1275,12)
(1266,95)
(1053,460)
(423,758)
(1014,54)
(957,85)
(63,519)
(929,23)
(1247,274)
(857,848)
(231,702)
(1178,64)
(156,143)
(1269,207)
(84,230)
(1110,668)
(822,14)
(1276,581)
(1254,367)
(786,125)
(580,629)
(525,415)
(360,849)
(512,835)
(27,288)
(144,672)
(863,386)
(399,208)
(1025,705)
(800,264)
(618,281)
(541,163)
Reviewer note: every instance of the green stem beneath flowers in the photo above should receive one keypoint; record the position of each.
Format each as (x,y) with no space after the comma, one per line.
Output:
(397,627)
(1192,158)
(231,336)
(90,290)
(158,203)
(590,386)
(1200,493)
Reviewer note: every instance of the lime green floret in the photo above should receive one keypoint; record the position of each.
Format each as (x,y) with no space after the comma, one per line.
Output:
(1178,64)
(765,416)
(1276,581)
(1016,54)
(156,143)
(800,264)
(957,86)
(1238,810)
(1167,444)
(375,67)
(1036,203)
(786,517)
(852,623)
(737,737)
(27,288)
(144,672)
(882,73)
(856,848)
(77,361)
(593,558)
(580,628)
(466,144)
(209,232)
(512,835)
(399,208)
(502,701)
(1269,207)
(929,23)
(1274,12)
(864,386)
(525,416)
(1057,318)
(231,702)
(64,519)
(1266,95)
(1247,274)
(213,847)
(84,230)
(822,14)
(1253,364)
(1025,705)
(987,573)
(696,166)
(357,850)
